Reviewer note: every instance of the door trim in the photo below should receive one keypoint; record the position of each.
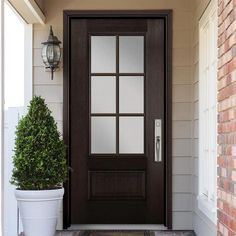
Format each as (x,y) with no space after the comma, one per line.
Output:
(128,14)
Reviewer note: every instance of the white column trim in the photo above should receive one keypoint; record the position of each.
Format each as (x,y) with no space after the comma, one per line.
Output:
(207,195)
(28,81)
(1,113)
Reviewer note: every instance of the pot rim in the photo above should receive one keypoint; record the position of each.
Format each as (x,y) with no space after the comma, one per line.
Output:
(39,195)
(41,190)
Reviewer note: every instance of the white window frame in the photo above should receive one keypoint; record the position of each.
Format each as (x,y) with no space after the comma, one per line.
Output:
(207,198)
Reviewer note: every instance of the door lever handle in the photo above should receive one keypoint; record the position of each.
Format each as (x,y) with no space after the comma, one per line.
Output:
(157,140)
(157,153)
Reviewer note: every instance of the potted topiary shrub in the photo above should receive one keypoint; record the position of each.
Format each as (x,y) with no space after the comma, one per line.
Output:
(39,169)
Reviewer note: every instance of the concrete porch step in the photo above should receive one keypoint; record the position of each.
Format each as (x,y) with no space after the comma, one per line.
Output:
(123,233)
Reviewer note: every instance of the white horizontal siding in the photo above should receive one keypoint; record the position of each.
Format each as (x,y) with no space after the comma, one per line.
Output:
(195,110)
(182,38)
(182,129)
(52,93)
(183,220)
(184,5)
(195,72)
(195,185)
(182,111)
(37,57)
(182,20)
(181,93)
(56,109)
(181,57)
(181,75)
(195,53)
(182,202)
(182,184)
(195,91)
(181,147)
(195,148)
(195,166)
(182,165)
(43,77)
(195,129)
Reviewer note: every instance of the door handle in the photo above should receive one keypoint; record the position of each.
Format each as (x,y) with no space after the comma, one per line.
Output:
(157,140)
(157,148)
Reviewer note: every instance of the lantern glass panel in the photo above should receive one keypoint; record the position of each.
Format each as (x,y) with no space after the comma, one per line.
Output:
(53,54)
(44,55)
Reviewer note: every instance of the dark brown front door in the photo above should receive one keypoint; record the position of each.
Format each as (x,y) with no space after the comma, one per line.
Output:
(117,126)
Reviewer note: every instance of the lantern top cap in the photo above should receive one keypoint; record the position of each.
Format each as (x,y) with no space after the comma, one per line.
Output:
(51,38)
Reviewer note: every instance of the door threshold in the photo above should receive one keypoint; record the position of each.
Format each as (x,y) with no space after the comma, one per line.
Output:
(117,227)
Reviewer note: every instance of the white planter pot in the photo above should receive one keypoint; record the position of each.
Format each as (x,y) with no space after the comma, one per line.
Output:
(39,210)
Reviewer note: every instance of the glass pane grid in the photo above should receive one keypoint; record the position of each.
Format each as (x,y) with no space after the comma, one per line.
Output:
(134,114)
(103,135)
(131,54)
(131,135)
(103,94)
(131,94)
(103,54)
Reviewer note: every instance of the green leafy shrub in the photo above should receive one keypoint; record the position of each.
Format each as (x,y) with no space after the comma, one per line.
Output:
(39,153)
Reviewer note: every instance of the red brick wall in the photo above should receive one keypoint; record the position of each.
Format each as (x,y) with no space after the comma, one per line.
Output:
(227,118)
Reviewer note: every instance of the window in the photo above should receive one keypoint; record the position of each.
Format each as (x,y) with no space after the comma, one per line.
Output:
(117,87)
(208,111)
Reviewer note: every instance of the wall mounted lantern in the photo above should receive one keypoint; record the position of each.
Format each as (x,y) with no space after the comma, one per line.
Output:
(51,52)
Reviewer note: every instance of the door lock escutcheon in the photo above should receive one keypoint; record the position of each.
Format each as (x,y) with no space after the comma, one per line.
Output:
(158,140)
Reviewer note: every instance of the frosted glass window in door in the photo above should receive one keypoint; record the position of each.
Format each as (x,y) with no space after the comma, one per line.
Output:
(131,94)
(103,135)
(131,54)
(103,94)
(131,135)
(103,54)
